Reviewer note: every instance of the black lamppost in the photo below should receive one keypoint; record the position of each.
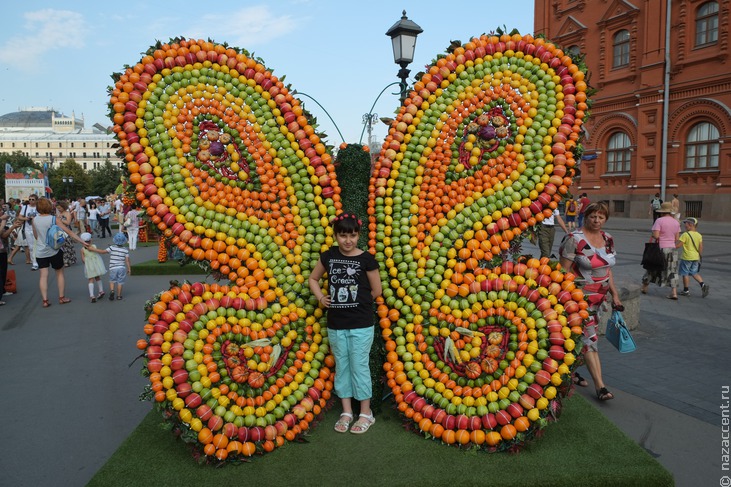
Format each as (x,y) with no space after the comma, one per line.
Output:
(403,37)
(369,120)
(68,181)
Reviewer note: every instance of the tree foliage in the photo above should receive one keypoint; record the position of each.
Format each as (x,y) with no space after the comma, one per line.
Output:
(105,179)
(353,168)
(69,169)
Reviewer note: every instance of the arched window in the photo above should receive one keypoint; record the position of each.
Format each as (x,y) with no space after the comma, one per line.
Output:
(706,24)
(621,49)
(702,147)
(618,153)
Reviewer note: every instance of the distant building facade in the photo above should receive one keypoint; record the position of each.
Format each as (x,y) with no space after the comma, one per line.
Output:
(624,44)
(49,137)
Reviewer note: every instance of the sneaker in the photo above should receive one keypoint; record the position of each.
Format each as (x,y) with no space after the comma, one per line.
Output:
(100,295)
(93,299)
(704,289)
(684,293)
(111,296)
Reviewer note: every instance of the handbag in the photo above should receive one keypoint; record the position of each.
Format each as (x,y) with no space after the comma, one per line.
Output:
(700,257)
(653,258)
(618,334)
(10,282)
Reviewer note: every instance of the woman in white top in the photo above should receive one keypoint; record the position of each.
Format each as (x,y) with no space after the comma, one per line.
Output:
(93,219)
(48,256)
(132,226)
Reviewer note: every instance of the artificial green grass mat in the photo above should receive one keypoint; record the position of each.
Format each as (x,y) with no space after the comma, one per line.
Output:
(582,448)
(170,268)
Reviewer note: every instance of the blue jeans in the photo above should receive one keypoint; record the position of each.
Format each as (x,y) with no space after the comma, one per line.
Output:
(351,349)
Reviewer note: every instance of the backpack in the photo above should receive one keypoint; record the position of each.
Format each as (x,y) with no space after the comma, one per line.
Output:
(571,206)
(55,236)
(656,202)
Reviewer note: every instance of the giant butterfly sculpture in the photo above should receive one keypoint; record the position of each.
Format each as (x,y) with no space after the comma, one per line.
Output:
(228,166)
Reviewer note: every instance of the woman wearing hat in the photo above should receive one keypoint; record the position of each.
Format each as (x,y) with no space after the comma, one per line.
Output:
(665,231)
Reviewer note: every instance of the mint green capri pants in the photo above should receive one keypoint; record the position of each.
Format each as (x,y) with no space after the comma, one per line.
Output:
(351,349)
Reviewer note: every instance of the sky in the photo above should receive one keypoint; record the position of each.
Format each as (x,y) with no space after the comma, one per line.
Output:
(62,54)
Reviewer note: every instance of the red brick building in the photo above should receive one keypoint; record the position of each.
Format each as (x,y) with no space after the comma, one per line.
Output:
(637,142)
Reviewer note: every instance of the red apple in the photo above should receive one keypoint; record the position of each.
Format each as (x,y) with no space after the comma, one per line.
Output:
(550,366)
(197,288)
(256,433)
(204,412)
(515,410)
(557,352)
(535,391)
(154,352)
(527,401)
(193,400)
(542,377)
(270,432)
(503,417)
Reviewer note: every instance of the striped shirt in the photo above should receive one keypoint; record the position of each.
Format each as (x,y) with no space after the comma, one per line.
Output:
(117,256)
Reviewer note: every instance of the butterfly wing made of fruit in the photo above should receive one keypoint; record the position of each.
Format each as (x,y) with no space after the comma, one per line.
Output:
(480,150)
(227,165)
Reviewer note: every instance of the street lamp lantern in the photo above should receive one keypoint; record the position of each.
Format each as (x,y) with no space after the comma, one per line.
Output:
(68,181)
(403,38)
(370,119)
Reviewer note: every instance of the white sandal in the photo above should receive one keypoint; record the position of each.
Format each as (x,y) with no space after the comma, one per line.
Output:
(344,422)
(365,421)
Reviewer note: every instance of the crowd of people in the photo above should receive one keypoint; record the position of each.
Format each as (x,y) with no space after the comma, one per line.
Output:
(24,224)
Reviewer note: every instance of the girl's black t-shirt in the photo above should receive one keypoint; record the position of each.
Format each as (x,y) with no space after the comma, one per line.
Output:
(351,302)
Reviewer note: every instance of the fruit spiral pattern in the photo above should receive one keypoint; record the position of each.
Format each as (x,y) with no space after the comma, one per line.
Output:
(479,348)
(227,165)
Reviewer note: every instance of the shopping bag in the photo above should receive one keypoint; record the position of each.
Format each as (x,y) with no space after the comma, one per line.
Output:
(10,282)
(653,258)
(618,334)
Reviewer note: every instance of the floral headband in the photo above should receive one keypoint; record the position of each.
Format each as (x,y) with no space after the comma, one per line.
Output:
(346,216)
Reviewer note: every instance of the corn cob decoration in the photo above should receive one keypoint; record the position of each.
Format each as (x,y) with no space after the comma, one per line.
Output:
(142,233)
(162,251)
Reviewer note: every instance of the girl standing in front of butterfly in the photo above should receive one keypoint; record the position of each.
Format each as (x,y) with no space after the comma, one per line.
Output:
(353,284)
